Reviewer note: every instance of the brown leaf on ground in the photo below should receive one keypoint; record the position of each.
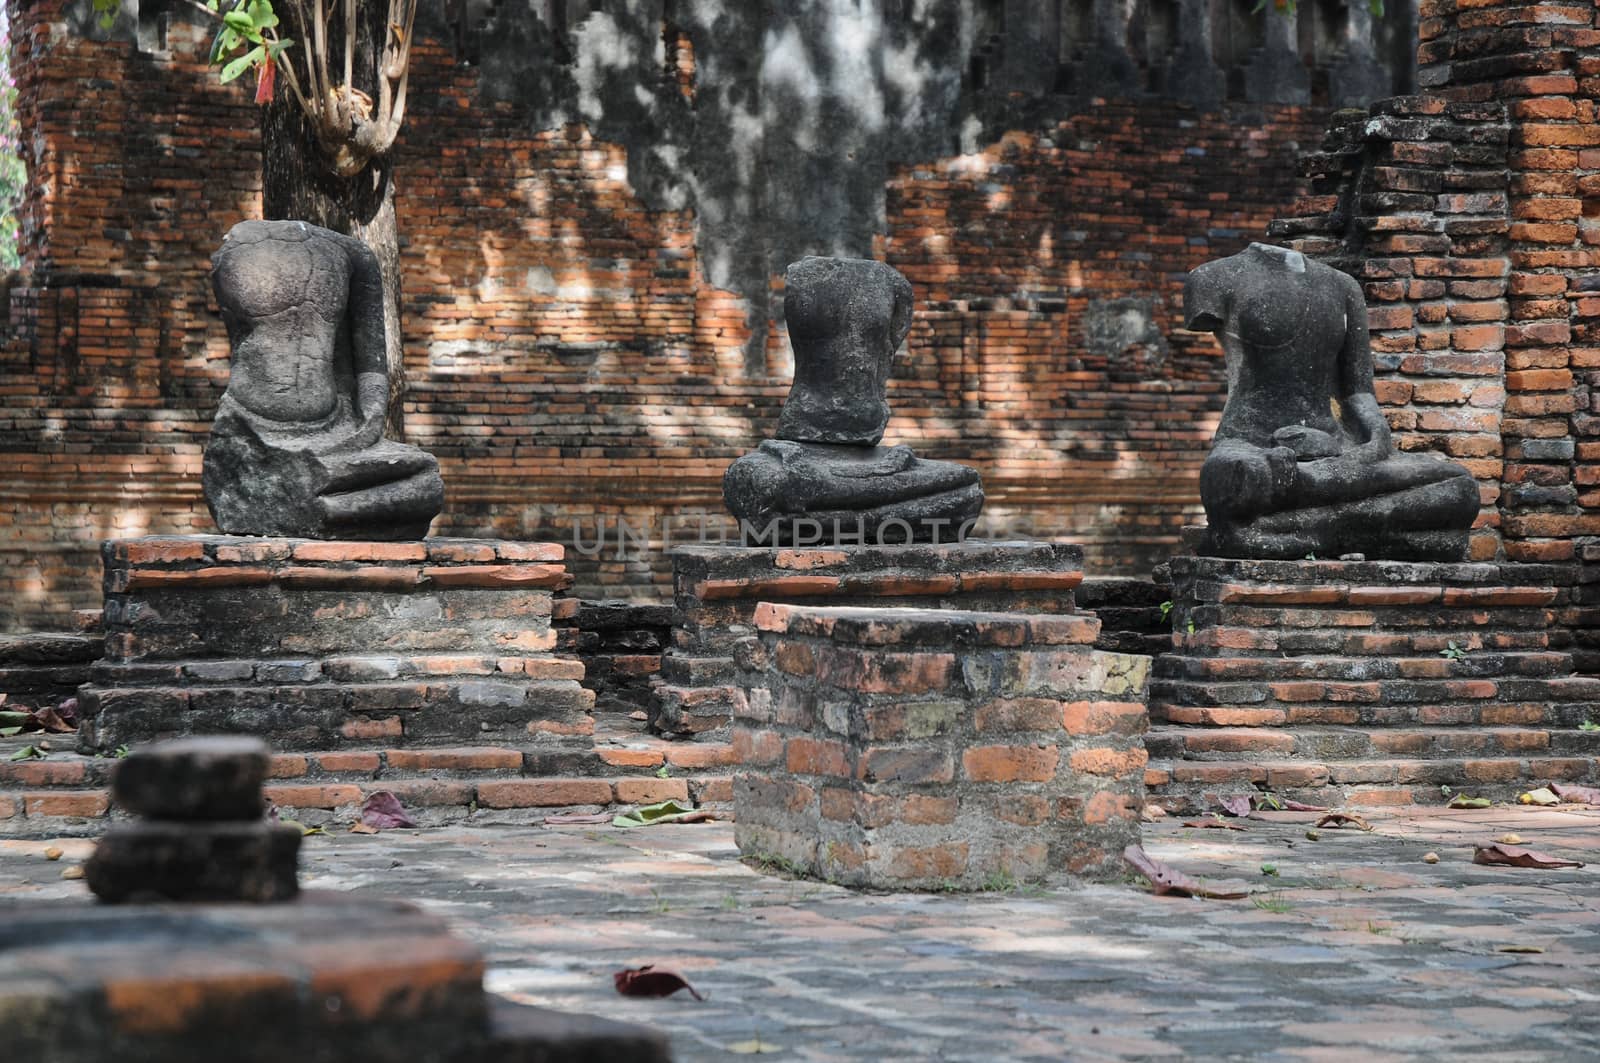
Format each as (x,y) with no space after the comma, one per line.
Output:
(1164,879)
(362,828)
(1576,795)
(1212,824)
(1340,819)
(647,981)
(1298,806)
(1513,856)
(1236,805)
(383,810)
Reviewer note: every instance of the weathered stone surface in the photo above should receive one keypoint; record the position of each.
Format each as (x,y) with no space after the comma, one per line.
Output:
(196,861)
(297,446)
(1302,462)
(212,777)
(825,479)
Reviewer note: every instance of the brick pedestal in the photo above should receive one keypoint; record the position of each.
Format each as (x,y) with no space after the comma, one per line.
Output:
(914,749)
(318,645)
(1366,682)
(716,590)
(327,978)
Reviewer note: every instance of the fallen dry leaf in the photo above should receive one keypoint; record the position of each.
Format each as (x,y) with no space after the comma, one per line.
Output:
(1512,856)
(1237,805)
(1510,839)
(52,853)
(1164,879)
(75,871)
(1541,796)
(1576,795)
(1430,858)
(1153,813)
(363,828)
(647,981)
(1296,806)
(1463,801)
(1213,824)
(383,810)
(1340,819)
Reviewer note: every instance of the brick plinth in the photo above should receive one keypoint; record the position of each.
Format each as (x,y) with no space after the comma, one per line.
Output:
(320,645)
(918,749)
(328,978)
(716,591)
(1366,683)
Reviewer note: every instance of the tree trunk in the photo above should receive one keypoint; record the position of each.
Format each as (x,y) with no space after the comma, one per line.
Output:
(299,185)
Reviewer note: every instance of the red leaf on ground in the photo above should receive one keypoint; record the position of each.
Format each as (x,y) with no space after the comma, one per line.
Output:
(1296,806)
(383,810)
(646,981)
(1576,795)
(1339,819)
(1513,856)
(1212,824)
(50,720)
(1237,805)
(1164,879)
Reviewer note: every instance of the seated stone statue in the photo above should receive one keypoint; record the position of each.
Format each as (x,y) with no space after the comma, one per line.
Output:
(1302,462)
(825,479)
(297,447)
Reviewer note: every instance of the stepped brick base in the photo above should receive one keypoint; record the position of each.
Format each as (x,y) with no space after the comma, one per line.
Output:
(67,794)
(44,669)
(716,590)
(324,645)
(921,749)
(1366,683)
(327,978)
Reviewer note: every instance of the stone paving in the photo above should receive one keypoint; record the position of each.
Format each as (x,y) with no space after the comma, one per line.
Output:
(1356,949)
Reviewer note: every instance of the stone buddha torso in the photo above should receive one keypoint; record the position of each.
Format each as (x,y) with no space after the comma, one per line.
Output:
(826,477)
(1302,461)
(297,446)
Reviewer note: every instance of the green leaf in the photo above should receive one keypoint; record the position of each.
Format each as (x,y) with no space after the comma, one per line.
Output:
(277,48)
(7,732)
(243,63)
(27,753)
(239,21)
(7,719)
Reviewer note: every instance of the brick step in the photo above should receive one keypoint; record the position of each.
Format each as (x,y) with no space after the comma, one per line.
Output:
(1247,641)
(686,671)
(1295,692)
(1193,785)
(1485,712)
(1255,743)
(693,711)
(431,801)
(324,715)
(1176,667)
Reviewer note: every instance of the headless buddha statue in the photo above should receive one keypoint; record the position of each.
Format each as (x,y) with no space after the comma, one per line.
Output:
(297,447)
(1302,462)
(825,478)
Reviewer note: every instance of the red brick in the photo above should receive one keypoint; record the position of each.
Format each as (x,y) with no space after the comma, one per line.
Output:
(543,793)
(1010,763)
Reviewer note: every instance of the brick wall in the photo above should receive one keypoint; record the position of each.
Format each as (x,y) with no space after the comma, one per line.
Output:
(1470,214)
(569,360)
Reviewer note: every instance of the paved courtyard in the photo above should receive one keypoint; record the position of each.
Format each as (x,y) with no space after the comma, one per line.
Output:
(1355,949)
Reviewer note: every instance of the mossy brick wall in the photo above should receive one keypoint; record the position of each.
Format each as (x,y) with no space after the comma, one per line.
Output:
(569,360)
